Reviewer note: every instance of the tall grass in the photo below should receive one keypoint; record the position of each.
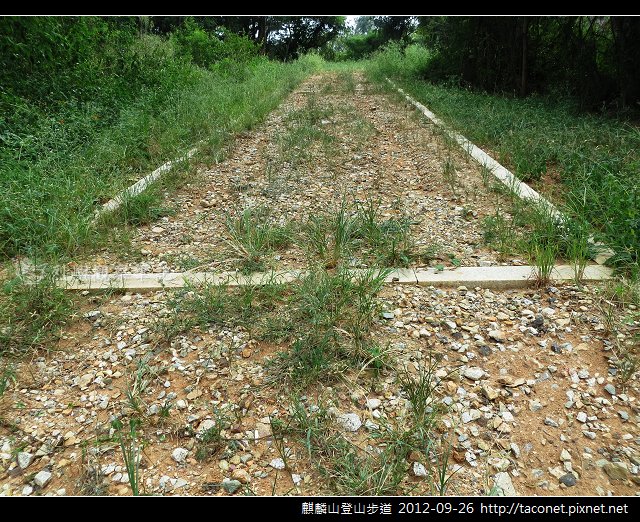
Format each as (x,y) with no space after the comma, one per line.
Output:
(60,161)
(595,158)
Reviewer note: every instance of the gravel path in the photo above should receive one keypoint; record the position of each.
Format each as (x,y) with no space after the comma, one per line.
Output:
(365,145)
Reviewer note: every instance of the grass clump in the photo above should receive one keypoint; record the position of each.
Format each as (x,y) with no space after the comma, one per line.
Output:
(330,318)
(382,467)
(131,449)
(212,440)
(357,235)
(253,239)
(32,311)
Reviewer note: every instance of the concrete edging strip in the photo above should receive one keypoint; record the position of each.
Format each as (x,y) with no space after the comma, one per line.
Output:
(140,185)
(501,173)
(492,277)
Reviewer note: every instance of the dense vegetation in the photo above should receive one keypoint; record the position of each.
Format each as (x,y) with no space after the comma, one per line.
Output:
(89,104)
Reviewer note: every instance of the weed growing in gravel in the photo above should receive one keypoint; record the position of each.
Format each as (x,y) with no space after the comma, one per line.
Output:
(619,304)
(252,238)
(420,435)
(32,311)
(211,441)
(331,315)
(131,449)
(348,469)
(331,237)
(253,306)
(450,174)
(356,234)
(92,480)
(7,376)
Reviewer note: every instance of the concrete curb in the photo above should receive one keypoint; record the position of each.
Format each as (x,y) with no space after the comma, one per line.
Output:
(140,185)
(493,277)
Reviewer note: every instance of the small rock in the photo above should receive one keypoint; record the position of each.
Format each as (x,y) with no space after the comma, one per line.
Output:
(349,421)
(497,335)
(568,479)
(157,230)
(474,373)
(565,455)
(241,475)
(85,380)
(581,417)
(471,415)
(27,490)
(263,429)
(419,470)
(610,389)
(277,463)
(388,315)
(550,422)
(489,392)
(24,459)
(231,486)
(535,405)
(205,426)
(373,404)
(179,455)
(42,478)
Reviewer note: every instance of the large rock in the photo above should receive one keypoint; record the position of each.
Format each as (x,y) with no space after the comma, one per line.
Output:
(42,478)
(179,455)
(474,373)
(616,471)
(503,485)
(231,486)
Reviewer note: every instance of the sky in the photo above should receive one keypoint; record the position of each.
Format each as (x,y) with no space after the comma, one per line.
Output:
(351,20)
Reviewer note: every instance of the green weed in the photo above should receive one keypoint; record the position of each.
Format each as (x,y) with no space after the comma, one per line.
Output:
(252,238)
(32,311)
(131,449)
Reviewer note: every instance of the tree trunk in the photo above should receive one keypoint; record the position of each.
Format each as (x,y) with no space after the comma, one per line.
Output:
(525,41)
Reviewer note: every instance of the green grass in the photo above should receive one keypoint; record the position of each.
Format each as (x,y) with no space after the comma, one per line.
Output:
(381,467)
(212,441)
(253,238)
(31,314)
(356,234)
(57,171)
(595,157)
(330,317)
(131,448)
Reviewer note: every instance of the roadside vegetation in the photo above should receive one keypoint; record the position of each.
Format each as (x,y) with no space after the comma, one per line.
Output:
(90,106)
